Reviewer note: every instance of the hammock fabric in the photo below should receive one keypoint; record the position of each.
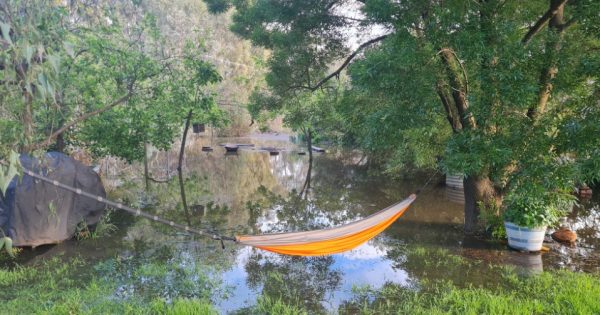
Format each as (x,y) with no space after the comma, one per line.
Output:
(332,240)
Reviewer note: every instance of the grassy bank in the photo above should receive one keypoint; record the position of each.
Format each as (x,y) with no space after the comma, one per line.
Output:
(56,287)
(560,292)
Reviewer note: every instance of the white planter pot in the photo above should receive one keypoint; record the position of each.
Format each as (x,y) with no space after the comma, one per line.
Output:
(522,238)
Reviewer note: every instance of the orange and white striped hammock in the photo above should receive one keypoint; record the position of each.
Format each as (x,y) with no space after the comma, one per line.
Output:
(332,240)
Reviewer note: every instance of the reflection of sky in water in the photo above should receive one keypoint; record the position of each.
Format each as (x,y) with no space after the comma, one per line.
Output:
(341,193)
(362,266)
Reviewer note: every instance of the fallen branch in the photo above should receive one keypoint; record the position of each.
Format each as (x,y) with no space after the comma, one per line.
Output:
(159,181)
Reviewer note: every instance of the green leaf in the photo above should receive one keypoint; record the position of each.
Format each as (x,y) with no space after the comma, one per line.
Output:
(55,62)
(28,53)
(2,241)
(8,246)
(5,28)
(43,84)
(8,172)
(41,89)
(69,49)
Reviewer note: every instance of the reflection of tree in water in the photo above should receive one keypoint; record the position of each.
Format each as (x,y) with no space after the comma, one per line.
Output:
(337,195)
(164,271)
(294,280)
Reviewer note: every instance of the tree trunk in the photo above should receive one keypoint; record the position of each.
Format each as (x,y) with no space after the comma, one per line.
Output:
(180,169)
(489,60)
(146,174)
(59,145)
(459,85)
(478,189)
(309,144)
(556,26)
(306,186)
(451,113)
(27,113)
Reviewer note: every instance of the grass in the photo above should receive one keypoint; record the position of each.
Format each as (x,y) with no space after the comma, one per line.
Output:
(56,287)
(561,292)
(75,287)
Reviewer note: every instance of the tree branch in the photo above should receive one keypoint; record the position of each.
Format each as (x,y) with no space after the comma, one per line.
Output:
(79,119)
(567,24)
(537,27)
(343,66)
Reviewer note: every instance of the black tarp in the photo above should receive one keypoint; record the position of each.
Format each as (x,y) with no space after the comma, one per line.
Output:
(33,212)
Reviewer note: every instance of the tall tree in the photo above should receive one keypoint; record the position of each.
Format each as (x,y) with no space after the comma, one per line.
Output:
(515,81)
(96,76)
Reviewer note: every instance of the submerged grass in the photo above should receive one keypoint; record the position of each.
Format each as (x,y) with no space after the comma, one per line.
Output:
(57,287)
(74,287)
(557,292)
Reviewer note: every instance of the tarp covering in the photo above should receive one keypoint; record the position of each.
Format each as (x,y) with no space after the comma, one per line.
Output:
(34,212)
(332,240)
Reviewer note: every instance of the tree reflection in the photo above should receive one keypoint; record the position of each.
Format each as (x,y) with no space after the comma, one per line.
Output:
(297,281)
(306,187)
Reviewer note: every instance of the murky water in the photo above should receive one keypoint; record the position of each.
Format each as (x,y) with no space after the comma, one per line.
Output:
(254,192)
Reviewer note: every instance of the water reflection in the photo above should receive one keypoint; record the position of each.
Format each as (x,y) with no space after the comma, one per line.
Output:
(254,192)
(455,195)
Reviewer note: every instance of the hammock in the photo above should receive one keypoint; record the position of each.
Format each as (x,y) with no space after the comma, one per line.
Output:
(332,240)
(310,243)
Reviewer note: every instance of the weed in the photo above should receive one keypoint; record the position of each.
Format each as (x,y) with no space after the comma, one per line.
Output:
(104,228)
(491,216)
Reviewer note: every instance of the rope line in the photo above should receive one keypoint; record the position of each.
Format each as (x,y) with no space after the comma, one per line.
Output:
(136,212)
(426,182)
(155,218)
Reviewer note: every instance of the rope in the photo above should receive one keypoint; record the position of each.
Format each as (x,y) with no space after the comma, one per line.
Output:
(136,212)
(155,218)
(426,183)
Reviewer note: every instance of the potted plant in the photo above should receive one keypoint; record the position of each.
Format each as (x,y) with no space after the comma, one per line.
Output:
(529,212)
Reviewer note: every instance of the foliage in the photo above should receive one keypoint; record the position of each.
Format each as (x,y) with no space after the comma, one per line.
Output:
(59,286)
(155,116)
(97,77)
(184,307)
(492,217)
(103,229)
(240,63)
(304,112)
(6,243)
(267,305)
(496,100)
(531,209)
(8,171)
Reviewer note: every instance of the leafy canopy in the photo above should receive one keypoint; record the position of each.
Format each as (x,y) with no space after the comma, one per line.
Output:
(499,90)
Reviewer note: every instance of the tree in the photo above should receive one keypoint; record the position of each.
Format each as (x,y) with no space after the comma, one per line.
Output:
(68,68)
(76,74)
(515,81)
(44,47)
(312,114)
(236,60)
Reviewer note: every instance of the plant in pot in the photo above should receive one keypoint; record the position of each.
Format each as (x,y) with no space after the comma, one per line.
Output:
(529,211)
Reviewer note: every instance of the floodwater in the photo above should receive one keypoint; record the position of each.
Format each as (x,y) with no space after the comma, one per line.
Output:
(254,192)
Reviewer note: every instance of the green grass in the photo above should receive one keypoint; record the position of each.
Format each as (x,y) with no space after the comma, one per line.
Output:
(75,287)
(56,287)
(561,292)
